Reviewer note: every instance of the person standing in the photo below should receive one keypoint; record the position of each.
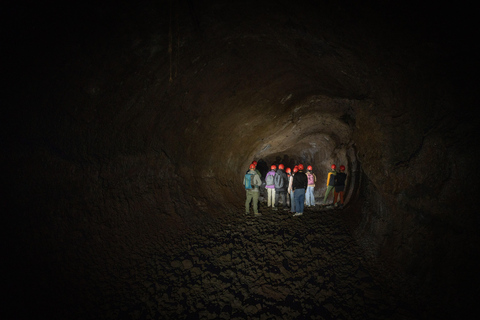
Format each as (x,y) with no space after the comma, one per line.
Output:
(299,186)
(252,181)
(288,171)
(255,163)
(330,183)
(290,190)
(309,196)
(270,186)
(340,179)
(280,186)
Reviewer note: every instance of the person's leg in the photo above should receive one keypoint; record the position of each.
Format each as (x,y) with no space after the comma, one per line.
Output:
(332,190)
(335,197)
(312,199)
(341,197)
(327,192)
(292,201)
(326,195)
(299,197)
(311,196)
(247,201)
(296,198)
(280,197)
(307,197)
(274,194)
(269,197)
(277,194)
(284,199)
(301,201)
(255,202)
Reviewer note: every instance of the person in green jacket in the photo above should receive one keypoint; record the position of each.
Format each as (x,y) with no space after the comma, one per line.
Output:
(330,183)
(252,181)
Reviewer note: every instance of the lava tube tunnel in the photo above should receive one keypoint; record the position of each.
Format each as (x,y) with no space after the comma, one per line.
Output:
(128,130)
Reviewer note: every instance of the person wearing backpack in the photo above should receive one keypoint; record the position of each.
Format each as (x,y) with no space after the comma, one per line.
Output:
(280,187)
(252,181)
(309,196)
(330,183)
(270,186)
(255,163)
(299,185)
(290,190)
(339,186)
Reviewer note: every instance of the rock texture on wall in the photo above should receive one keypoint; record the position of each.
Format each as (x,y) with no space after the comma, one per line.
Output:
(130,126)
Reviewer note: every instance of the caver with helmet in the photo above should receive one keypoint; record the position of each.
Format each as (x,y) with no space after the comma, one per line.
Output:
(270,186)
(290,190)
(330,183)
(281,183)
(340,179)
(299,185)
(252,181)
(288,171)
(309,196)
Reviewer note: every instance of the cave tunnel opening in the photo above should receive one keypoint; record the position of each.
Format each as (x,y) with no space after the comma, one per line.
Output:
(131,129)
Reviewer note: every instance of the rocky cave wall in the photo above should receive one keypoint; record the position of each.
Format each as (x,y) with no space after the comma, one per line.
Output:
(138,127)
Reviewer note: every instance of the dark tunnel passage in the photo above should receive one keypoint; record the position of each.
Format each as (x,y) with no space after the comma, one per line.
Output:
(129,129)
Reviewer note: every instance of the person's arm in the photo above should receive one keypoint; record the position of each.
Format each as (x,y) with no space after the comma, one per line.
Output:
(328,179)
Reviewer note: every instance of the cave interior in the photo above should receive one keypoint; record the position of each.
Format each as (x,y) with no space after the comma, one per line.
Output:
(130,126)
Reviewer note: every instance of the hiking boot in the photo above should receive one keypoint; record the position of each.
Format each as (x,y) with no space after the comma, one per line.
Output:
(257,214)
(297,214)
(274,208)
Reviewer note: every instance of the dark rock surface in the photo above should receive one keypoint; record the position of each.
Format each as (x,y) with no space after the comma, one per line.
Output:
(242,267)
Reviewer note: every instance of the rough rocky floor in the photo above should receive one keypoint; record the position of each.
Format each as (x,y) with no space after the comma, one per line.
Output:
(271,267)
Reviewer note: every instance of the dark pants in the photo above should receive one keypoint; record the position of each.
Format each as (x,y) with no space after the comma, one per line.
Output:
(299,195)
(282,194)
(335,196)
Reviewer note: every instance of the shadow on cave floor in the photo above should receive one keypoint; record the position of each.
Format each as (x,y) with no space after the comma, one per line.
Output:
(272,267)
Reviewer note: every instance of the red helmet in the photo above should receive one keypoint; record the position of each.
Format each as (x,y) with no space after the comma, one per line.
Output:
(280,166)
(273,167)
(300,167)
(288,170)
(295,169)
(342,167)
(309,168)
(252,166)
(334,167)
(254,163)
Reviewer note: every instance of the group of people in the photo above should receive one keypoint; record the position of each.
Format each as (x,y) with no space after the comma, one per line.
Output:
(294,188)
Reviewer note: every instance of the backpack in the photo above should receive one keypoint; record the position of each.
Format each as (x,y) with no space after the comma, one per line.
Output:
(248,181)
(269,179)
(311,180)
(279,181)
